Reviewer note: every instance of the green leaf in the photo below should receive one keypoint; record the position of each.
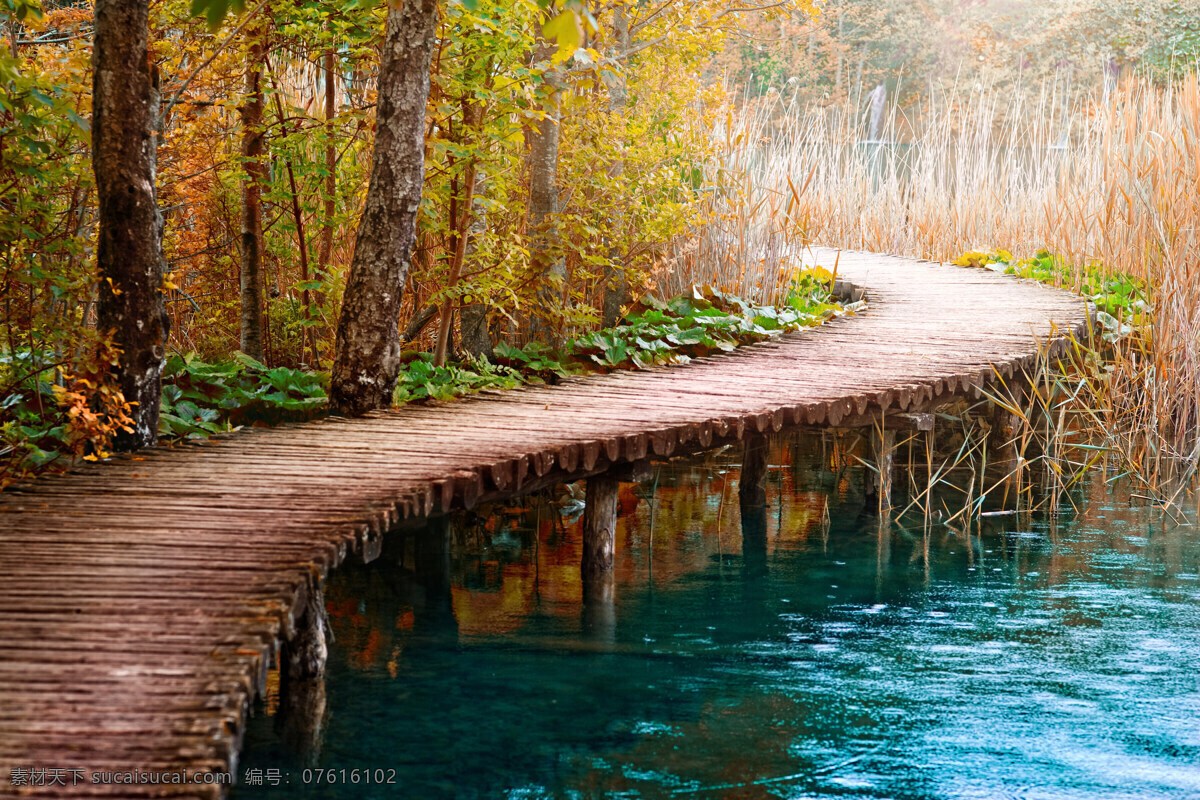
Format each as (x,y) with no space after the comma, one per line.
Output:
(170,394)
(246,360)
(215,11)
(186,409)
(510,353)
(689,336)
(39,457)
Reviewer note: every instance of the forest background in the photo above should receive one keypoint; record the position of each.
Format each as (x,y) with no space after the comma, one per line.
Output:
(574,164)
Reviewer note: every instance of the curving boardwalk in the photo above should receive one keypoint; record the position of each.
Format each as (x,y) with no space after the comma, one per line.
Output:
(142,600)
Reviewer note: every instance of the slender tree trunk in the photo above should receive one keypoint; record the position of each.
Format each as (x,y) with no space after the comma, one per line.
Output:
(473,321)
(545,244)
(839,48)
(462,226)
(878,104)
(307,335)
(367,358)
(325,253)
(857,86)
(616,287)
(325,248)
(252,183)
(129,238)
(469,226)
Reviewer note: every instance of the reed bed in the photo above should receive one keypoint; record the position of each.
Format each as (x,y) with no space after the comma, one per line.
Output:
(1110,185)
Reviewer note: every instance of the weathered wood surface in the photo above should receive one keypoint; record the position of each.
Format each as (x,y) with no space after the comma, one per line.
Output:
(142,599)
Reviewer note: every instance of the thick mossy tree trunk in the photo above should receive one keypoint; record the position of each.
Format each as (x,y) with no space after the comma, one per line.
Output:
(367,360)
(129,237)
(252,183)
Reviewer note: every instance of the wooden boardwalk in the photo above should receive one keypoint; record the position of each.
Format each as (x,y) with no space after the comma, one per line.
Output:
(141,600)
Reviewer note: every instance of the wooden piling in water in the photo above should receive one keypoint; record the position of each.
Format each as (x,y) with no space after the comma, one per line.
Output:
(883,448)
(599,526)
(302,660)
(755,452)
(754,538)
(1010,418)
(305,652)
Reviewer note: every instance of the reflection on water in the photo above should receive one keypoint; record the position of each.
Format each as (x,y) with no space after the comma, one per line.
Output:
(797,649)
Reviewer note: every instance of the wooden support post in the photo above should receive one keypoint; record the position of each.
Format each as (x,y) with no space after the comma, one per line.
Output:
(883,449)
(754,538)
(304,655)
(301,718)
(599,614)
(754,470)
(302,677)
(1008,426)
(599,525)
(883,553)
(599,546)
(431,564)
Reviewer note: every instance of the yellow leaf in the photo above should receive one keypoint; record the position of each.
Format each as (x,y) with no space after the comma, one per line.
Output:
(567,30)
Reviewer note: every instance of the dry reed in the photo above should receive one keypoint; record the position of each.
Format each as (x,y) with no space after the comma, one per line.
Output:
(1111,185)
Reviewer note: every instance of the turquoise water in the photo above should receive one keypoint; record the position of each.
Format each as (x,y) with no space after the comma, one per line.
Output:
(799,650)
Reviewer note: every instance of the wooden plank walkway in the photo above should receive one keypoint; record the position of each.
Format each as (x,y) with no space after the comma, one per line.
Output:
(142,599)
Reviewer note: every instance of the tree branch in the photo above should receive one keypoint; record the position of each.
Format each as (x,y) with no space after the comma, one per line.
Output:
(233,33)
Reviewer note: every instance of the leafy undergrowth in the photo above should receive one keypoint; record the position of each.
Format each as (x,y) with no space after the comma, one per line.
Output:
(1121,300)
(654,333)
(48,426)
(200,398)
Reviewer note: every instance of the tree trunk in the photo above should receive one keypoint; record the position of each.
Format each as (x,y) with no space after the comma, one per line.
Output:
(307,334)
(129,238)
(367,358)
(545,245)
(462,226)
(252,183)
(839,49)
(325,248)
(616,287)
(476,339)
(325,252)
(878,103)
